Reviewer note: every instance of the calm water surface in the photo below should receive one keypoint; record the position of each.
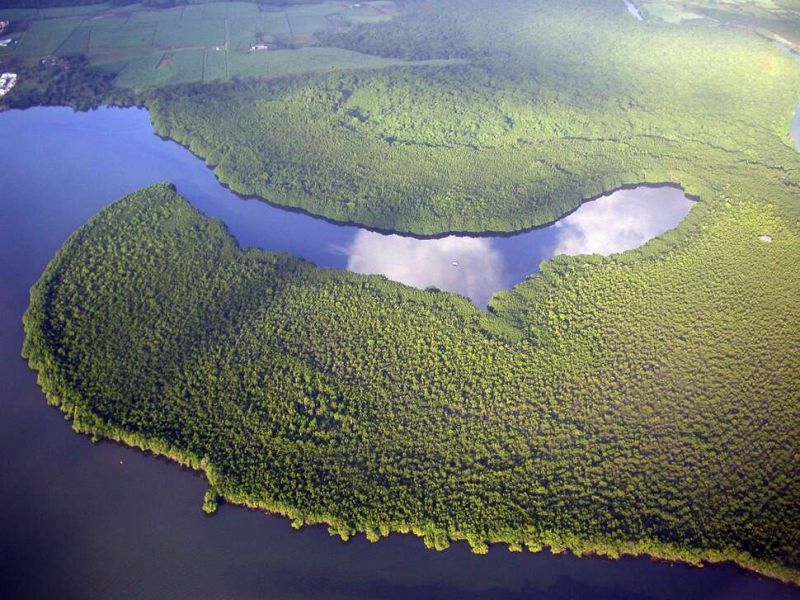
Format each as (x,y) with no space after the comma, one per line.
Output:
(110,152)
(100,521)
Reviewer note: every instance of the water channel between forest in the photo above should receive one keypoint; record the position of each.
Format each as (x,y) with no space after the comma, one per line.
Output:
(121,146)
(103,521)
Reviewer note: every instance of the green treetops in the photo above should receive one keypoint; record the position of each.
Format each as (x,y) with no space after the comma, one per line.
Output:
(556,102)
(614,406)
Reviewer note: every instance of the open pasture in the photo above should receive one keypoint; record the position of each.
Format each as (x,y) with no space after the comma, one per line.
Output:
(290,62)
(44,37)
(161,69)
(76,43)
(221,11)
(157,16)
(195,34)
(123,36)
(264,28)
(201,41)
(216,65)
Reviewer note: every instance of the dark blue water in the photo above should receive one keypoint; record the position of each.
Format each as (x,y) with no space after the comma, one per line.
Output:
(90,521)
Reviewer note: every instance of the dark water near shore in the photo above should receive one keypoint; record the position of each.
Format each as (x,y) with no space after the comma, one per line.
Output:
(85,521)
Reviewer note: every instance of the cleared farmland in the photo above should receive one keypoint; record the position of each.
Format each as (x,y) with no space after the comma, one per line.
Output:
(202,41)
(44,37)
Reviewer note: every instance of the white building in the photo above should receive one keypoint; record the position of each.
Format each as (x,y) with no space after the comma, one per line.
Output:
(7,81)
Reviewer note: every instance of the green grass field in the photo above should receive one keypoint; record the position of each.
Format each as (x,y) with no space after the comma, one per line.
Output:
(76,43)
(124,36)
(195,34)
(44,37)
(195,66)
(162,68)
(243,33)
(157,16)
(202,41)
(220,11)
(290,62)
(216,65)
(17,14)
(97,22)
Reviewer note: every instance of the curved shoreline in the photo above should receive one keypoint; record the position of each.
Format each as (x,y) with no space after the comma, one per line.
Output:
(58,393)
(477,234)
(670,555)
(482,234)
(524,225)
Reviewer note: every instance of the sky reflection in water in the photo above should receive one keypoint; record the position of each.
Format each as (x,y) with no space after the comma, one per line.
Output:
(633,10)
(795,130)
(113,152)
(471,267)
(477,267)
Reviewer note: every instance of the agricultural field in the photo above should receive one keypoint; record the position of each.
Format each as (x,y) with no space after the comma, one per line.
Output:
(44,37)
(146,47)
(76,43)
(215,66)
(291,62)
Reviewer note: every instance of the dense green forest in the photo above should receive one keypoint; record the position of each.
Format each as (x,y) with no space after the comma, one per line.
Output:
(639,403)
(68,81)
(643,402)
(554,103)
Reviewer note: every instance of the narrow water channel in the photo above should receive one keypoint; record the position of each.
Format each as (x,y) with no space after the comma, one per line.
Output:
(117,147)
(794,133)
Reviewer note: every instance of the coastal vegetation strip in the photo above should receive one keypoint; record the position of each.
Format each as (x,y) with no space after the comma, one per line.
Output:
(639,403)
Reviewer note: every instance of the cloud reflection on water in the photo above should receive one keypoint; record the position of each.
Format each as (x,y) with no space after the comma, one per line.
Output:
(479,267)
(421,263)
(621,221)
(795,130)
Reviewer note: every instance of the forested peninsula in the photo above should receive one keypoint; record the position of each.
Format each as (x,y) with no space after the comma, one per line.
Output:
(644,402)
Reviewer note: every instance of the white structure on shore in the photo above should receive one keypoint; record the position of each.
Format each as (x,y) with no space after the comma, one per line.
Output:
(7,81)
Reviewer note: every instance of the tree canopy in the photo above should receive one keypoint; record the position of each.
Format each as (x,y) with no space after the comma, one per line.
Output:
(645,402)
